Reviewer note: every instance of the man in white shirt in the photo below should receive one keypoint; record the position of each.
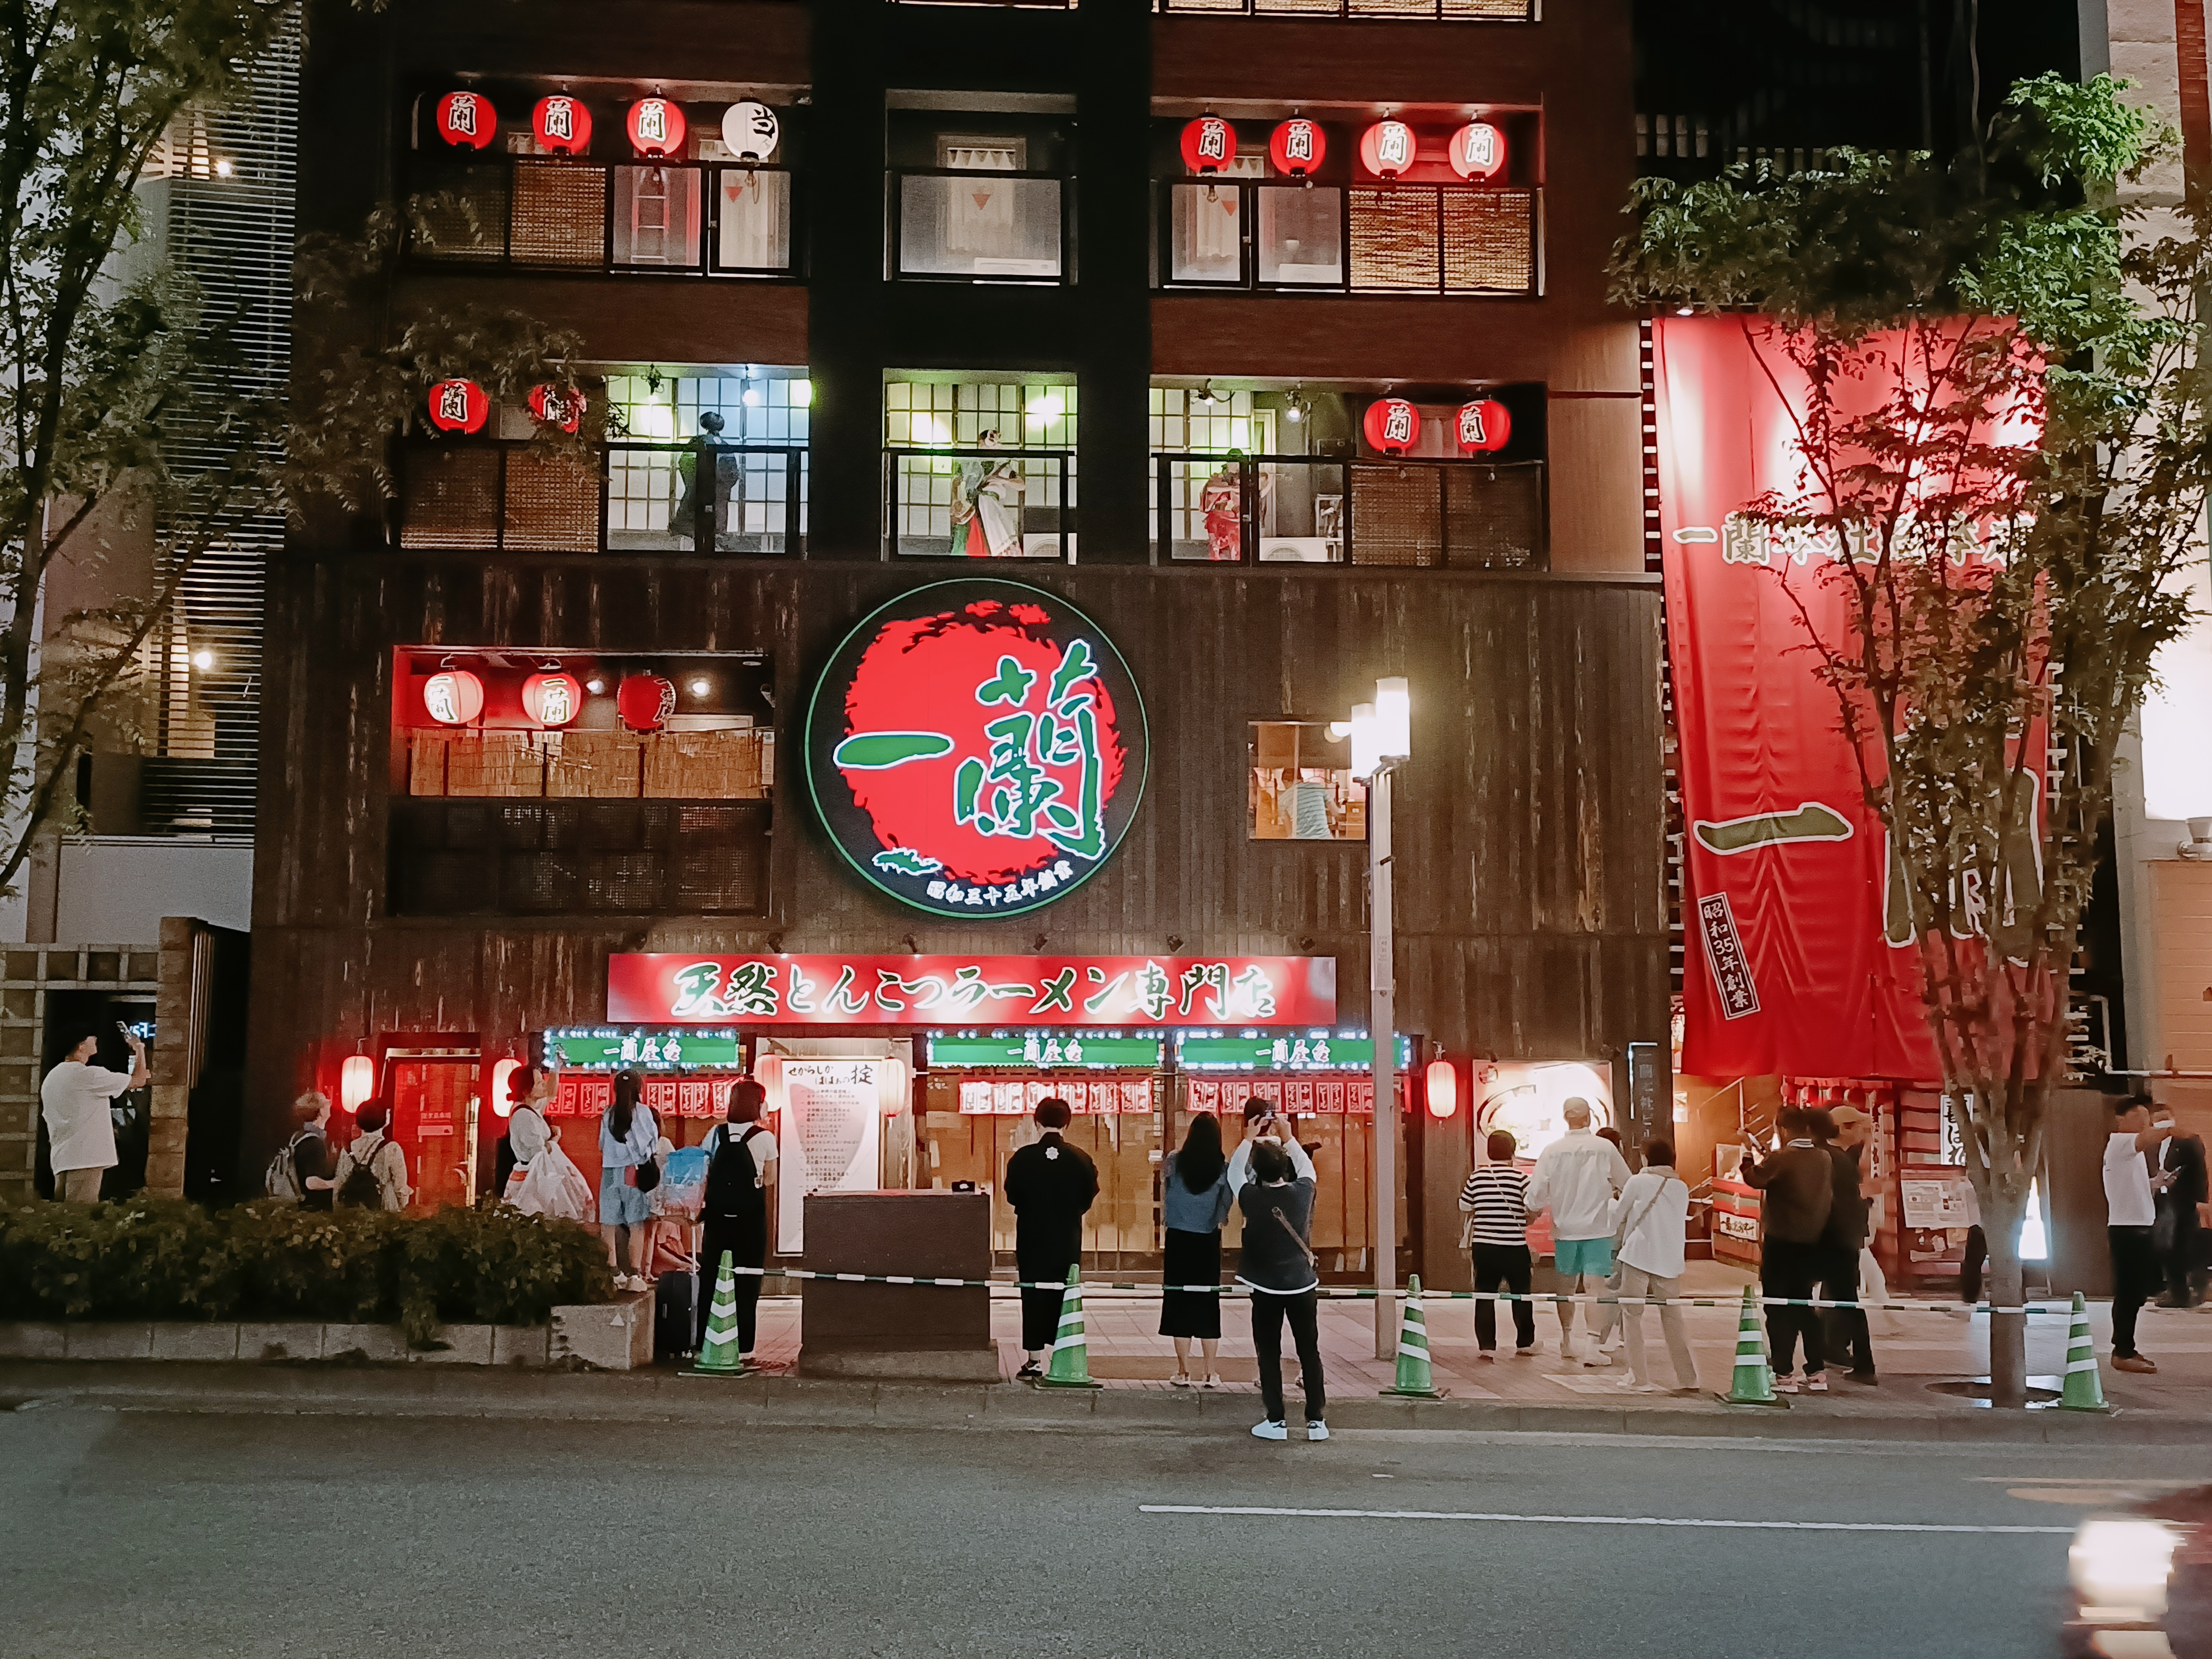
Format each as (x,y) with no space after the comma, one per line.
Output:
(2130,1213)
(1576,1178)
(74,1102)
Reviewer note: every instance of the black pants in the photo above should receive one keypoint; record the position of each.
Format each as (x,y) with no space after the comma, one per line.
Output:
(1971,1264)
(1303,1311)
(1792,1270)
(1041,1308)
(1843,1330)
(746,1237)
(2181,1259)
(1503,1267)
(2135,1276)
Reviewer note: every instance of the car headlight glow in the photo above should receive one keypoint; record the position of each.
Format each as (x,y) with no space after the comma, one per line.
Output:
(2123,1561)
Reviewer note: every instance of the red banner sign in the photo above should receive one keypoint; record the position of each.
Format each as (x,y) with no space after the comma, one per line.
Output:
(587,1094)
(670,989)
(1799,958)
(1002,1097)
(1324,1097)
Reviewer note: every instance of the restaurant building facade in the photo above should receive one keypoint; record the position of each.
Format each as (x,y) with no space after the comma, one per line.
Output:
(1262,351)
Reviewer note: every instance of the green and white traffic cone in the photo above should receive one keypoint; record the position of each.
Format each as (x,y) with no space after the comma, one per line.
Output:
(1071,1356)
(1415,1381)
(2084,1390)
(718,1356)
(1754,1382)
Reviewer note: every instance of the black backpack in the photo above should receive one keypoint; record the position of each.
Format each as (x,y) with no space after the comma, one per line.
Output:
(733,1177)
(364,1188)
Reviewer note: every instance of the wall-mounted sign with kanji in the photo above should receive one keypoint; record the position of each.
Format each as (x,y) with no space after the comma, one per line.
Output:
(976,748)
(671,987)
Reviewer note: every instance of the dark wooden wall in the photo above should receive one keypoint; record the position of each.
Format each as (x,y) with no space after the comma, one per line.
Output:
(1529,877)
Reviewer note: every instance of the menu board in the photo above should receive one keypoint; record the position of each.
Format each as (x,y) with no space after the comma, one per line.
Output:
(1300,1097)
(828,1136)
(1085,1096)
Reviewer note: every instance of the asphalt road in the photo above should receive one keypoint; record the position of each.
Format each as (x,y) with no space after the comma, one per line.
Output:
(146,1534)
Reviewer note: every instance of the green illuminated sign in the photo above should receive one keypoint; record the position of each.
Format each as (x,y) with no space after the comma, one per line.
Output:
(1323,1053)
(646,1050)
(1036,1048)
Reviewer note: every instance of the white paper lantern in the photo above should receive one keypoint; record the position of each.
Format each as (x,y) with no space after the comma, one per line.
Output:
(750,131)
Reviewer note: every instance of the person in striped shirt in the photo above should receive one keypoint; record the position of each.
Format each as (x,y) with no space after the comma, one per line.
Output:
(1496,1197)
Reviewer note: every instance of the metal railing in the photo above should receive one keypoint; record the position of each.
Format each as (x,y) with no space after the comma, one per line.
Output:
(690,218)
(625,497)
(1474,11)
(949,224)
(1306,509)
(1357,239)
(979,503)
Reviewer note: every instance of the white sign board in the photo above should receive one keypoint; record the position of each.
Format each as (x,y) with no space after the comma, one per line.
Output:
(828,1137)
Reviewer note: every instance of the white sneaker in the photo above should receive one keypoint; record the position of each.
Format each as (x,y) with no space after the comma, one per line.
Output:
(1271,1429)
(1629,1385)
(1315,1429)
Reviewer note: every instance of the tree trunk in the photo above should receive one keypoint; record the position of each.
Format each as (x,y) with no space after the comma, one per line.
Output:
(2001,1221)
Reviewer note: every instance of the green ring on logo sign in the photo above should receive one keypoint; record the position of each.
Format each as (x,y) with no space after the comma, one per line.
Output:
(976,748)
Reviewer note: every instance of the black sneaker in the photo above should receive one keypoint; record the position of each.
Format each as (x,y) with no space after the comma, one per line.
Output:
(1865,1378)
(1030,1371)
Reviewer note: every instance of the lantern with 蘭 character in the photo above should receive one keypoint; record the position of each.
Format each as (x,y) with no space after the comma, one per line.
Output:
(563,124)
(645,702)
(466,120)
(1478,151)
(1209,145)
(552,699)
(1482,428)
(458,405)
(1296,147)
(1392,426)
(453,696)
(1386,149)
(656,127)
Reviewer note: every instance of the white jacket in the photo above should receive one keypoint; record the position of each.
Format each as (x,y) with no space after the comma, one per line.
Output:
(1575,1178)
(1657,1202)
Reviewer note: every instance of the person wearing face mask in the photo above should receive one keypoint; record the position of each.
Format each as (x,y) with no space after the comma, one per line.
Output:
(2179,1190)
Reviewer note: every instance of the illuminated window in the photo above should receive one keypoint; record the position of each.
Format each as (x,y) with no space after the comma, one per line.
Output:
(1302,787)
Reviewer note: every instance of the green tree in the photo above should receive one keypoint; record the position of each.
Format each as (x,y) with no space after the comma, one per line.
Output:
(2004,597)
(105,381)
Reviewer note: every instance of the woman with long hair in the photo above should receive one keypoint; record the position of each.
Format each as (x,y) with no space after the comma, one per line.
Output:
(628,1136)
(1195,1200)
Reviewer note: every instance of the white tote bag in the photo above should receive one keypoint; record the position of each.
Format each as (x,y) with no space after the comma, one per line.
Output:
(554,1186)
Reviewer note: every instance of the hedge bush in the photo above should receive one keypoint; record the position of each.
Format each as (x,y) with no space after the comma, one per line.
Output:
(162,1258)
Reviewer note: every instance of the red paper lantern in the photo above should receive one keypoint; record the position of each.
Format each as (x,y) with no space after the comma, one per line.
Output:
(466,119)
(563,124)
(458,405)
(1209,145)
(552,699)
(550,406)
(1386,149)
(656,127)
(453,696)
(1483,426)
(645,702)
(356,1082)
(1478,151)
(1392,426)
(1296,147)
(1443,1089)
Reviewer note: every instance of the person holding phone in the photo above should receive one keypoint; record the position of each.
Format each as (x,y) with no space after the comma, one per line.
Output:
(73,1100)
(1278,1266)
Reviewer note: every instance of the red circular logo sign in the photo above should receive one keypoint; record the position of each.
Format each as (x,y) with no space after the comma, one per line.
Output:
(976,748)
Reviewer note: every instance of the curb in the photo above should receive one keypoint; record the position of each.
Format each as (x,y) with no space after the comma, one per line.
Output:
(775,1401)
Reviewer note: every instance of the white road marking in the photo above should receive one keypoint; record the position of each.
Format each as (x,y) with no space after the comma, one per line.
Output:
(1592,1520)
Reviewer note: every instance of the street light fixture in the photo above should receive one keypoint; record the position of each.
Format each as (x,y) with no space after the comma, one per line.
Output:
(1381,736)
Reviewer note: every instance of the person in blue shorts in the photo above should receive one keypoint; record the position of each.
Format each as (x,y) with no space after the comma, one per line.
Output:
(1576,1178)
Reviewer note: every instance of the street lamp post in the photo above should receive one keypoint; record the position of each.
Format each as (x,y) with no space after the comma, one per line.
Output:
(1381,736)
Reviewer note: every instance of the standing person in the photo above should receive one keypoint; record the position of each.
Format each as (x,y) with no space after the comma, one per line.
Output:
(314,1166)
(741,1157)
(1051,1185)
(2129,1215)
(1262,1122)
(1577,1177)
(1608,1326)
(371,1172)
(1276,1263)
(1655,1213)
(628,1136)
(74,1102)
(1843,1330)
(2179,1190)
(527,1131)
(1495,1198)
(1799,1184)
(1194,1200)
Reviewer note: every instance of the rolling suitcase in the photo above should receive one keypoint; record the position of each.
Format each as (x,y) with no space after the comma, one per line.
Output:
(675,1315)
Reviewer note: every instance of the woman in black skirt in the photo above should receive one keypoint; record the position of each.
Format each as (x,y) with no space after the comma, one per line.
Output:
(1195,1202)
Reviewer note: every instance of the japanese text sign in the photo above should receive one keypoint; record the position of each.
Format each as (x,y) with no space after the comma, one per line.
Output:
(976,748)
(675,989)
